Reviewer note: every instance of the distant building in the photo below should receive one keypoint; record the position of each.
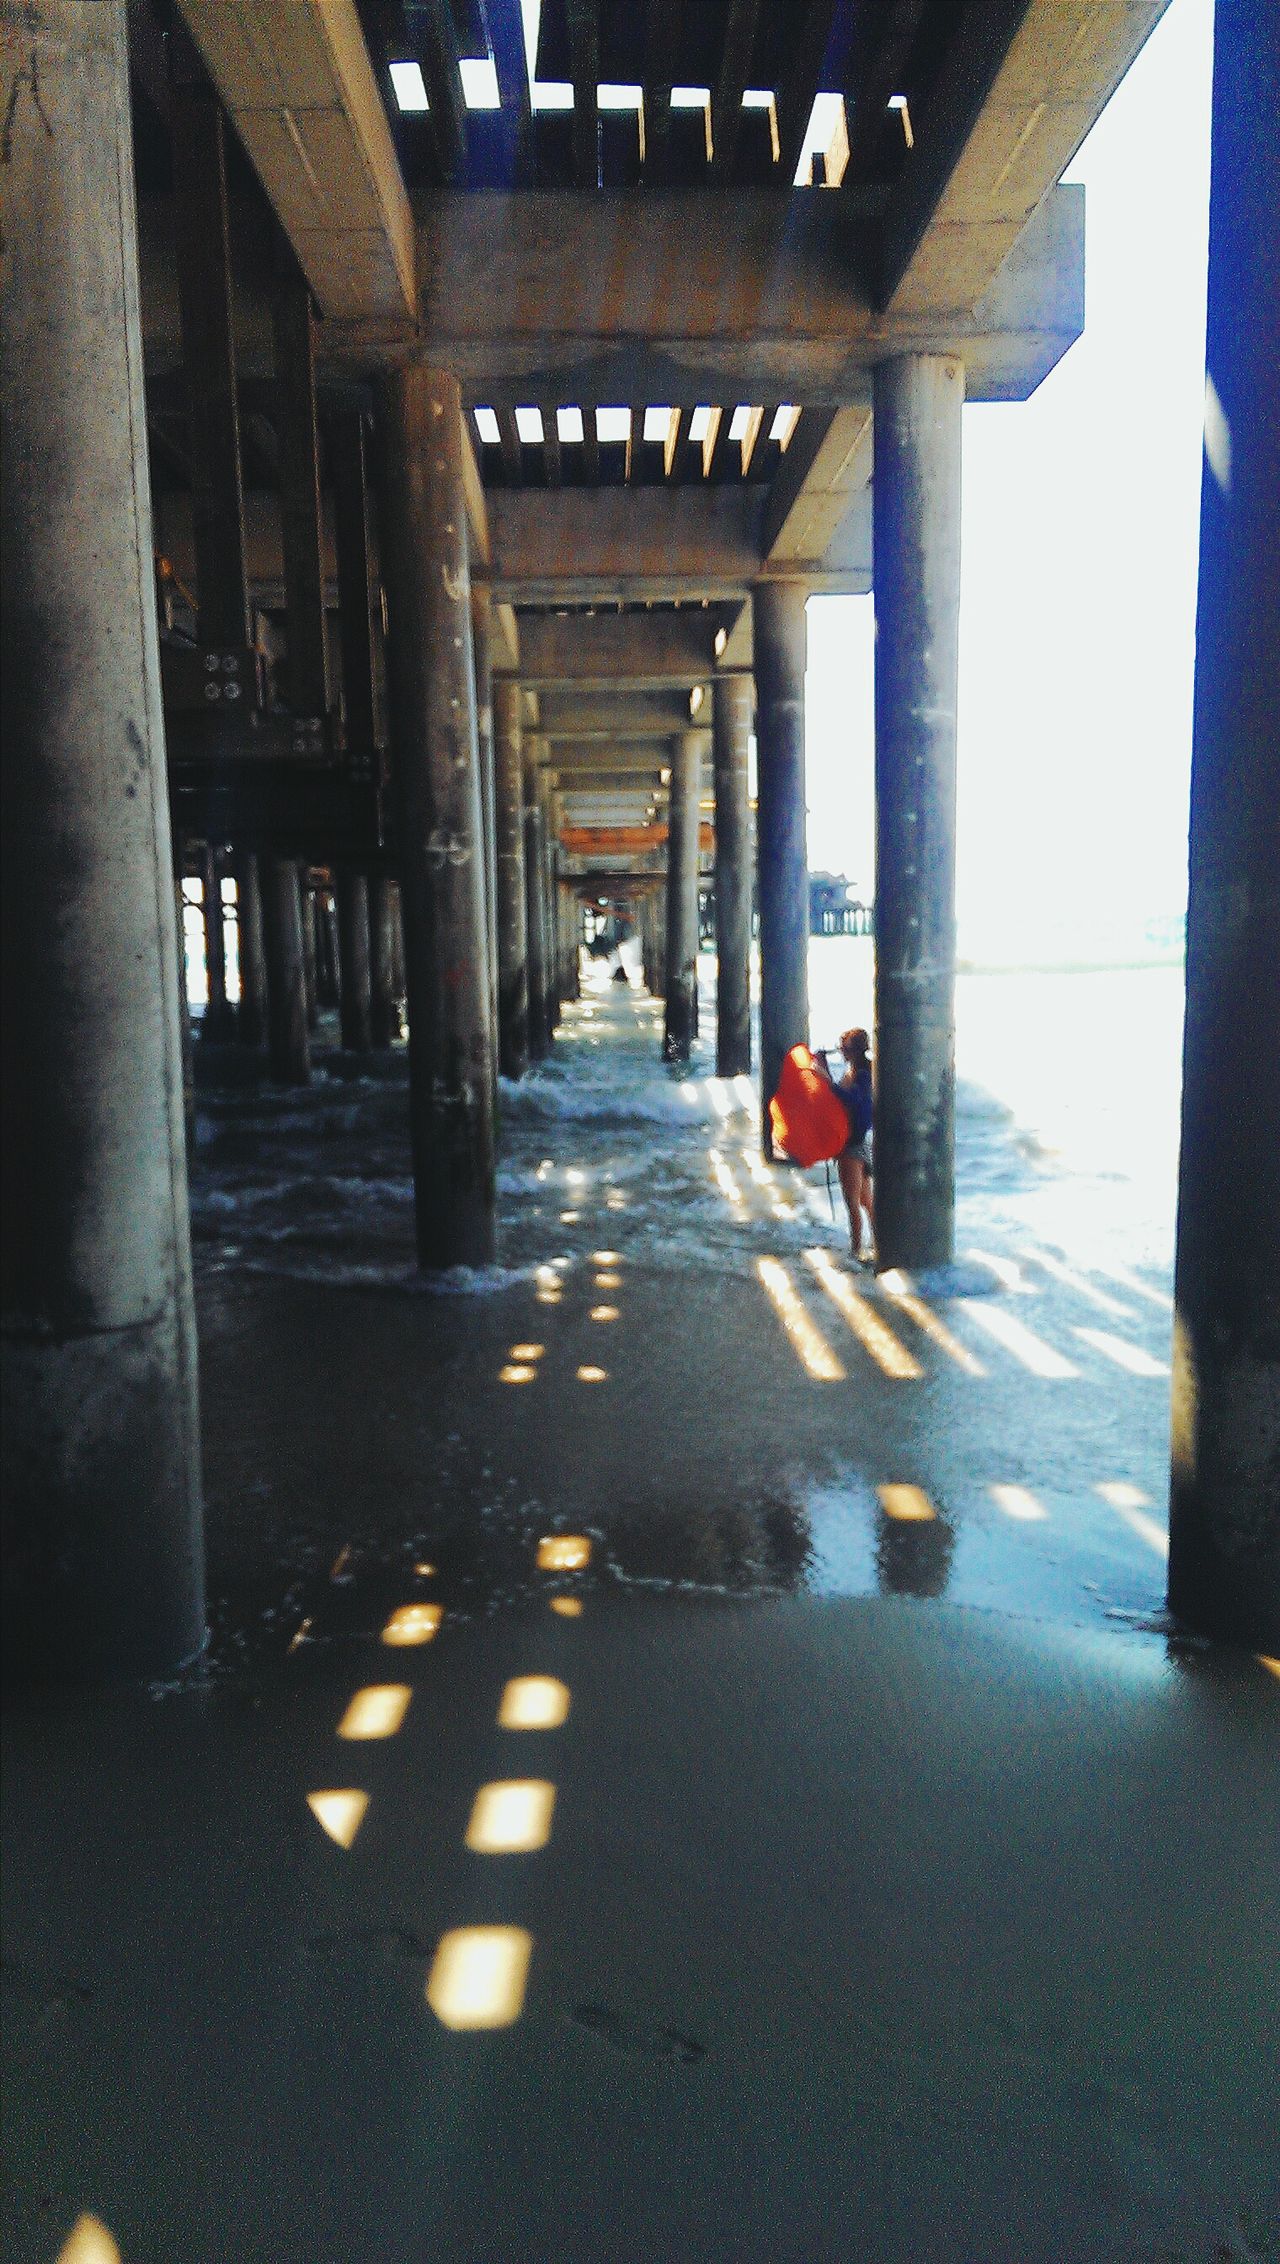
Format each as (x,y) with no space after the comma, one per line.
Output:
(835,907)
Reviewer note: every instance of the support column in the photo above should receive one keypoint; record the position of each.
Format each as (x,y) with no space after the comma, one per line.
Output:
(328,962)
(218,1018)
(780,651)
(432,684)
(732,729)
(550,958)
(284,931)
(482,640)
(355,989)
(513,939)
(682,896)
(384,1009)
(101,1448)
(1224,1516)
(251,1025)
(535,907)
(309,914)
(916,535)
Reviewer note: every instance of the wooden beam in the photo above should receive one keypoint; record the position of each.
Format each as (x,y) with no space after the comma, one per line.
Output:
(795,99)
(209,357)
(726,97)
(300,492)
(359,599)
(436,47)
(506,33)
(583,20)
(590,448)
(512,464)
(662,27)
(551,463)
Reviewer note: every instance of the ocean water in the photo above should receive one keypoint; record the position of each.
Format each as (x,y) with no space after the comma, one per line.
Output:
(1068,1085)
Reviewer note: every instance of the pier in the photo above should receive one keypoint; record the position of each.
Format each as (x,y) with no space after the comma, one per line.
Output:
(547,1716)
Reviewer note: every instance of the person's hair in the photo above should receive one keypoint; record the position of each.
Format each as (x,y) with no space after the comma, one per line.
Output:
(855,1041)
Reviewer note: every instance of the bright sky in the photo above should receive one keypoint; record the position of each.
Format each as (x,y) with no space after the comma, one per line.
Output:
(1080,525)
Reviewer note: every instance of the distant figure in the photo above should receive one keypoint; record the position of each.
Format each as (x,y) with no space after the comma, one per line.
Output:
(620,975)
(854,1161)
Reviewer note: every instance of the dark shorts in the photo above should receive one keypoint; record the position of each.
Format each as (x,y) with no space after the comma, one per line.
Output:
(857,1151)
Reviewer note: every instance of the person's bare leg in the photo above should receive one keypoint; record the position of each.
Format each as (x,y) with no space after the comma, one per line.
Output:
(867,1203)
(851,1184)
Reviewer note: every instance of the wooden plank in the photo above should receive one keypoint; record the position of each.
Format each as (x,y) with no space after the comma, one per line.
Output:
(359,599)
(726,97)
(506,33)
(795,99)
(662,26)
(209,358)
(583,19)
(300,523)
(551,463)
(512,464)
(590,449)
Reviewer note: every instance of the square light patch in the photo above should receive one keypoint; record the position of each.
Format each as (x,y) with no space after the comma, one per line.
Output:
(478,1976)
(563,1552)
(412,1623)
(511,1818)
(533,1701)
(910,1503)
(376,1711)
(567,1607)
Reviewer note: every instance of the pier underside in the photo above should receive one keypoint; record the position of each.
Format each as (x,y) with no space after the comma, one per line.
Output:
(878,1802)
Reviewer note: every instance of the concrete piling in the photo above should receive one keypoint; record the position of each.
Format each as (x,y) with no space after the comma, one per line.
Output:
(432,686)
(512,922)
(682,897)
(916,517)
(251,1020)
(101,1449)
(384,1009)
(780,652)
(1224,1511)
(355,989)
(284,930)
(731,731)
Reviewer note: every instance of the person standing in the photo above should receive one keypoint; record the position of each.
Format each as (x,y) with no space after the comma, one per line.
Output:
(854,1161)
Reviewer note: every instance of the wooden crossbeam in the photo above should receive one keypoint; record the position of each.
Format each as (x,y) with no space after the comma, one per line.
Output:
(726,96)
(590,449)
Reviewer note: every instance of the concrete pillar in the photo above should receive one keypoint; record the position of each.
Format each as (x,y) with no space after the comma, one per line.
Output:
(482,644)
(432,685)
(732,729)
(218,1018)
(780,652)
(916,535)
(384,1004)
(309,914)
(1224,1519)
(513,940)
(251,1021)
(284,931)
(397,944)
(550,956)
(571,930)
(328,955)
(682,896)
(535,909)
(101,1450)
(355,989)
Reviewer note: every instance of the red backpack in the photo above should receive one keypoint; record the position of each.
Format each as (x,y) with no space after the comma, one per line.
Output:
(808,1117)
